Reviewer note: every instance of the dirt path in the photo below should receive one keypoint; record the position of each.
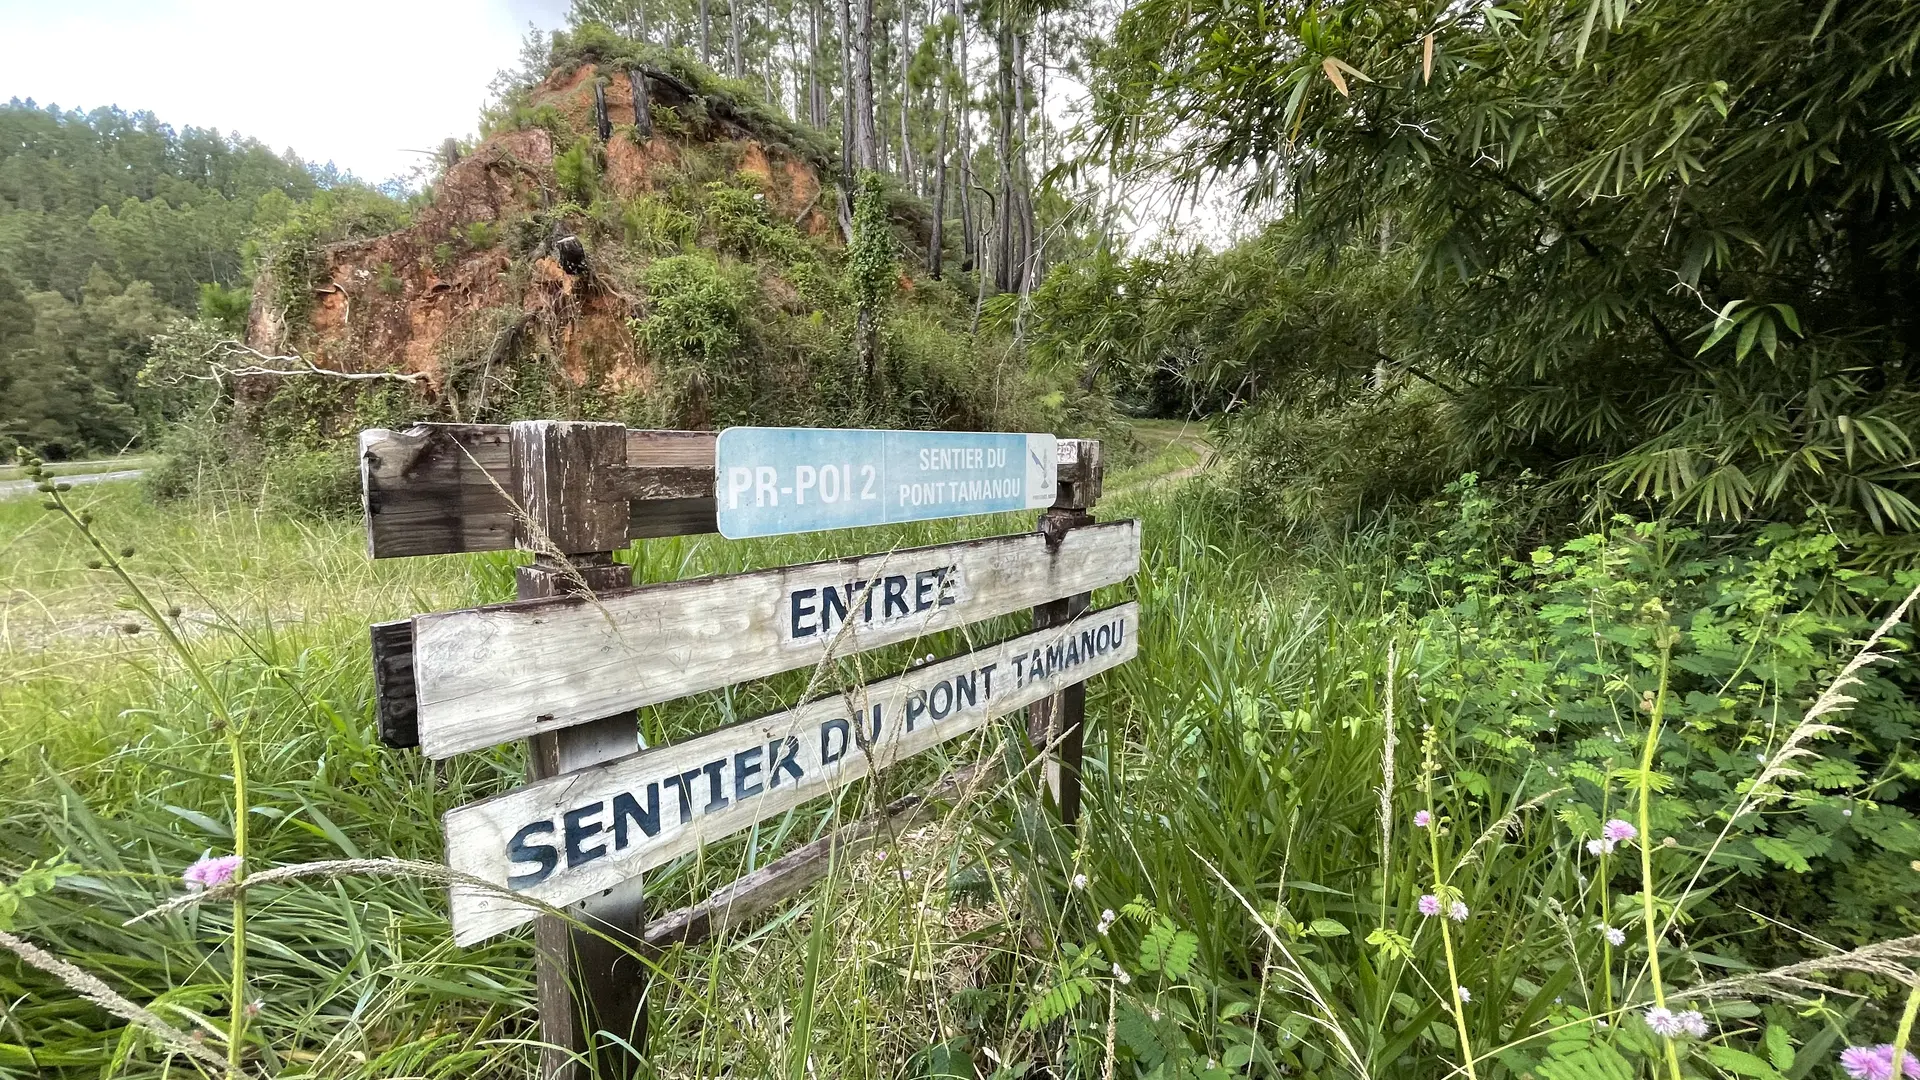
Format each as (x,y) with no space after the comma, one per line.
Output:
(12,488)
(1184,442)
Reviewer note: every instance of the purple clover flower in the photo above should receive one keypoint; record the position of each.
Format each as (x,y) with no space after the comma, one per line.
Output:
(1876,1062)
(1422,819)
(1457,911)
(1429,905)
(210,872)
(1618,831)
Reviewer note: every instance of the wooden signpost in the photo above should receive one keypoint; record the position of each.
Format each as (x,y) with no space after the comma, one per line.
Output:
(567,663)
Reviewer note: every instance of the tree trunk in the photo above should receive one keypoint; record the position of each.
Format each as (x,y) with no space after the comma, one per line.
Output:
(640,20)
(907,170)
(816,108)
(939,238)
(706,34)
(738,59)
(969,250)
(847,157)
(865,146)
(1023,176)
(642,113)
(1004,269)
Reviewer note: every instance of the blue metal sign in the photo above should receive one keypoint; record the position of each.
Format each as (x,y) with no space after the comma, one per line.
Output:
(771,481)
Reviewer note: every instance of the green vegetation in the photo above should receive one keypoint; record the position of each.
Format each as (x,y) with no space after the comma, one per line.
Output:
(112,224)
(1526,686)
(1659,252)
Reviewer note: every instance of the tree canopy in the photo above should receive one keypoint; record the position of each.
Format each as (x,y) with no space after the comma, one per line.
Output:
(110,224)
(1663,249)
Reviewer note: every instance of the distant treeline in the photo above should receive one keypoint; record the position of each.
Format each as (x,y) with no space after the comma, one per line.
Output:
(111,224)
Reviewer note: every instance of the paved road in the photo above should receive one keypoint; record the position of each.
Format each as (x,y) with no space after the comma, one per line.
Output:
(11,488)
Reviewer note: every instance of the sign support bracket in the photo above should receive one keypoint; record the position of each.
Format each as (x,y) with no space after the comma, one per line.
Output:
(586,984)
(1057,726)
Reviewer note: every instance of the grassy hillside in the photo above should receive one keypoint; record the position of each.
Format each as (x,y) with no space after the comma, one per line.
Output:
(1251,889)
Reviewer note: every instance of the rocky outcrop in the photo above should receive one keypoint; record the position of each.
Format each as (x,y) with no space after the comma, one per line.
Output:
(472,285)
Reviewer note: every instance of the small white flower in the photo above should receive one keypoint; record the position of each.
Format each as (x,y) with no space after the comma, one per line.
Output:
(1080,881)
(1663,1022)
(1846,813)
(1693,1023)
(1466,995)
(1759,757)
(1616,937)
(1120,973)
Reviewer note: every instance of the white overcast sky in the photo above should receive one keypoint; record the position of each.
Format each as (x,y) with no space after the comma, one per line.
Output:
(356,82)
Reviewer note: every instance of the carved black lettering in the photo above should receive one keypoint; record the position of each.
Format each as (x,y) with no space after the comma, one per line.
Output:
(803,609)
(833,607)
(896,590)
(579,830)
(521,849)
(831,750)
(716,796)
(787,760)
(746,764)
(626,809)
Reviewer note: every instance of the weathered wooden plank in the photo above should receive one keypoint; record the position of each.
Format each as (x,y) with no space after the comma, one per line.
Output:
(437,488)
(1057,726)
(394,704)
(585,983)
(572,836)
(487,675)
(746,898)
(441,488)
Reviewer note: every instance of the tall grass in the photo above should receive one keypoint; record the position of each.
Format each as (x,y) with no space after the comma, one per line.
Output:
(1243,899)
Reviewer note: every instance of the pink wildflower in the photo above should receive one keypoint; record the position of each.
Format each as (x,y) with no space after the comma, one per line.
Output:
(1422,819)
(1457,911)
(1876,1062)
(1429,904)
(210,872)
(1619,831)
(1863,1063)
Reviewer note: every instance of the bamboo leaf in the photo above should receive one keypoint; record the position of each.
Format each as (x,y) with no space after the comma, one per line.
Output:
(1332,68)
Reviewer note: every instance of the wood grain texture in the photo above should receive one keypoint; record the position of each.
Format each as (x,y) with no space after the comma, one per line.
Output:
(437,489)
(484,676)
(566,480)
(395,708)
(571,836)
(585,984)
(1056,727)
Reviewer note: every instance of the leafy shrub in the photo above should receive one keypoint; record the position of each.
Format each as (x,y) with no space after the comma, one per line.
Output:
(577,171)
(1328,468)
(224,306)
(482,235)
(694,311)
(1548,660)
(654,227)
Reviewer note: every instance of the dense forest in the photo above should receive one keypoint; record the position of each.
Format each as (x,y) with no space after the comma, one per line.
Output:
(111,225)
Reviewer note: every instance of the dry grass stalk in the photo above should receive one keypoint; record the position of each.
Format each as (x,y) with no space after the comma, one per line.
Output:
(88,986)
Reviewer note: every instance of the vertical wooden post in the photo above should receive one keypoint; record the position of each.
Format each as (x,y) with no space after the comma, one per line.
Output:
(573,516)
(1063,717)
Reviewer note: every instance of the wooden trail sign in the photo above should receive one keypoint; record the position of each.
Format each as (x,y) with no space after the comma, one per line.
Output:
(566,665)
(569,837)
(484,676)
(787,480)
